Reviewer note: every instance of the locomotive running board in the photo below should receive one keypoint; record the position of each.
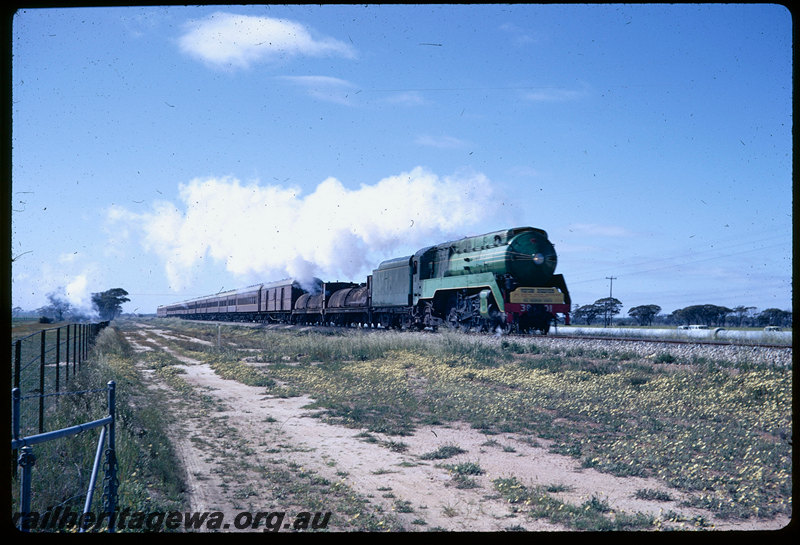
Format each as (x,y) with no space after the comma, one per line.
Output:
(472,281)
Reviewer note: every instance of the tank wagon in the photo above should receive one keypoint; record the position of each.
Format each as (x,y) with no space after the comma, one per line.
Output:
(328,306)
(500,279)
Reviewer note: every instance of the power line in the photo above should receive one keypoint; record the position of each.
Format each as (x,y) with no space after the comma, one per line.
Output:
(685,263)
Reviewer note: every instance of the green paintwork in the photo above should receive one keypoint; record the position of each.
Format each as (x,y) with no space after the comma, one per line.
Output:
(391,283)
(503,252)
(473,281)
(485,303)
(472,264)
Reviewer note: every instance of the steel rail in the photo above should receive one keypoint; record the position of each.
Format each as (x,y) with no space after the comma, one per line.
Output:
(551,335)
(670,341)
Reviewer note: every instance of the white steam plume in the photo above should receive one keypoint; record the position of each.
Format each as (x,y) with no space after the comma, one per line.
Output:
(270,232)
(64,283)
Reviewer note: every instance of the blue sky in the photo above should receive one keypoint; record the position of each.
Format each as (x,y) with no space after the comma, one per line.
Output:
(177,151)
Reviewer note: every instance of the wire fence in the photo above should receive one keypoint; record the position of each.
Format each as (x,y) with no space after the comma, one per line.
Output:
(43,364)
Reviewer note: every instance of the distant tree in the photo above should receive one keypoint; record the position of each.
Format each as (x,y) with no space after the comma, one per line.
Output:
(586,314)
(644,313)
(577,316)
(109,303)
(677,317)
(741,313)
(774,316)
(608,307)
(695,314)
(58,308)
(702,314)
(717,315)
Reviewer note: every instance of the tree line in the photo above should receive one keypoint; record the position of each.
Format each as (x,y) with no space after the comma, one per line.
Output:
(106,305)
(604,310)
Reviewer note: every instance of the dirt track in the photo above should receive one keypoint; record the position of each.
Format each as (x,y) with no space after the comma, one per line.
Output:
(247,428)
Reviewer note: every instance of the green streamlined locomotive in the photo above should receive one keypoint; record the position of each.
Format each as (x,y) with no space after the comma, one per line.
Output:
(504,279)
(501,279)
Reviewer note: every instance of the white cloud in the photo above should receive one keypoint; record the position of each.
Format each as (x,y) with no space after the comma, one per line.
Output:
(525,171)
(270,232)
(325,88)
(68,257)
(224,39)
(406,98)
(554,95)
(520,36)
(441,142)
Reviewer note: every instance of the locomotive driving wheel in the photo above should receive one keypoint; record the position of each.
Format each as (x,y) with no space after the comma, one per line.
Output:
(455,322)
(463,313)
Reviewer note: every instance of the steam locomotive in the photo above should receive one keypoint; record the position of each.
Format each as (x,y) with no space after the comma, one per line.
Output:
(504,279)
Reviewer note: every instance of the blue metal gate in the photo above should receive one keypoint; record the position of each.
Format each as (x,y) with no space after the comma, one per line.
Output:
(106,444)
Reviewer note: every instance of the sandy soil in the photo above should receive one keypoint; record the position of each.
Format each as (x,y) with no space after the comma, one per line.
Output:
(271,425)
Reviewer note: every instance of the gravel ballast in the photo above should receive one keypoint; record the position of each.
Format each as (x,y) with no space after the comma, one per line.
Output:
(683,353)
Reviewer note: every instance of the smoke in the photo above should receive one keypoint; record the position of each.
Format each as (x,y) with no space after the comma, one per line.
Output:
(267,232)
(71,302)
(66,283)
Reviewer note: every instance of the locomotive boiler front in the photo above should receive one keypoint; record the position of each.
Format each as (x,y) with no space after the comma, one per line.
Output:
(527,255)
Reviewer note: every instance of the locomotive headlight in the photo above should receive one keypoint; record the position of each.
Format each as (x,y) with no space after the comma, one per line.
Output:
(538,259)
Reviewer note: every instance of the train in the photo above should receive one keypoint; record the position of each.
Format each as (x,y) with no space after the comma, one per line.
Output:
(504,280)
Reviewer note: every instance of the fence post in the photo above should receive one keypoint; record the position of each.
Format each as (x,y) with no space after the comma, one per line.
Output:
(74,348)
(15,408)
(111,483)
(26,461)
(66,358)
(17,362)
(41,384)
(80,346)
(58,358)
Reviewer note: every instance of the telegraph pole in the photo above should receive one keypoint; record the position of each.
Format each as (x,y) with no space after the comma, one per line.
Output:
(610,296)
(611,286)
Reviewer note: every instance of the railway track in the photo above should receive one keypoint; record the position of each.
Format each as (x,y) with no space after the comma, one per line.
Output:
(742,343)
(705,342)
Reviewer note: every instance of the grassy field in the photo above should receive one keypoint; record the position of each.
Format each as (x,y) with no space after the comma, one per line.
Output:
(718,429)
(151,478)
(713,427)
